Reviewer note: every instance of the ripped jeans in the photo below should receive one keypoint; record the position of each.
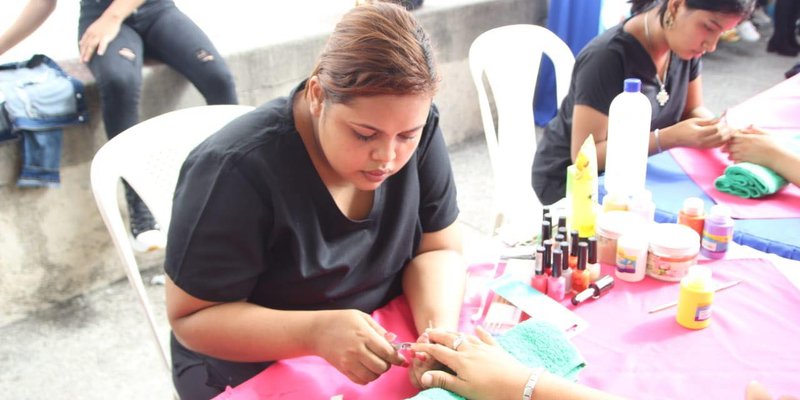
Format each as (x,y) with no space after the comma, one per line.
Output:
(157,30)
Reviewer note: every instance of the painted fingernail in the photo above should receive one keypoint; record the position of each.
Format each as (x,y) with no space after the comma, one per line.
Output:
(421,356)
(426,379)
(405,364)
(390,336)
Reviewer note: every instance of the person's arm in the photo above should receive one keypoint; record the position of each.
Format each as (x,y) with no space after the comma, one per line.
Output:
(240,331)
(758,147)
(485,371)
(695,108)
(434,280)
(29,20)
(103,30)
(585,121)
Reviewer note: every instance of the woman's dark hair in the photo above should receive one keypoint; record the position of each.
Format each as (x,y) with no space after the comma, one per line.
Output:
(738,7)
(376,49)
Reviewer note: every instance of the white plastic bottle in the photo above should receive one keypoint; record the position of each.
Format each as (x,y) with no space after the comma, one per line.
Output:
(628,139)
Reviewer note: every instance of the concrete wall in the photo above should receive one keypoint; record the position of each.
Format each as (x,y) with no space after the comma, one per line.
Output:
(53,244)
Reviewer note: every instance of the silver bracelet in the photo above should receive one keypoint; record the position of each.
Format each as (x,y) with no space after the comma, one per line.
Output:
(658,141)
(531,384)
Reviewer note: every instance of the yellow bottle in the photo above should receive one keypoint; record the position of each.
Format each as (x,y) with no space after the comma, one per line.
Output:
(582,179)
(695,298)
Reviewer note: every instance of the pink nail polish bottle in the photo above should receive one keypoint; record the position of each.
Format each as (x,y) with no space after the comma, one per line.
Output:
(556,284)
(539,281)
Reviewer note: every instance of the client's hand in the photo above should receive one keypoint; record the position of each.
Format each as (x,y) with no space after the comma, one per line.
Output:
(355,344)
(483,369)
(752,145)
(422,363)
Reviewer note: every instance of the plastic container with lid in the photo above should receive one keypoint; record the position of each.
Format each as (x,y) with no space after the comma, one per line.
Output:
(695,298)
(717,232)
(610,226)
(631,257)
(673,249)
(693,214)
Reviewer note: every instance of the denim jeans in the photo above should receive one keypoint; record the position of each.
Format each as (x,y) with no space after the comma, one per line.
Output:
(157,30)
(38,99)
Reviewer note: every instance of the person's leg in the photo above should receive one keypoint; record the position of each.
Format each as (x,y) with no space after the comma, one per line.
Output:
(783,39)
(177,41)
(118,76)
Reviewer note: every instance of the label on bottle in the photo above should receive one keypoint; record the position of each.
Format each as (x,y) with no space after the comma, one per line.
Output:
(626,263)
(703,312)
(715,243)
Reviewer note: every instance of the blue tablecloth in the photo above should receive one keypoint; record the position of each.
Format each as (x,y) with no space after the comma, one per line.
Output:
(670,186)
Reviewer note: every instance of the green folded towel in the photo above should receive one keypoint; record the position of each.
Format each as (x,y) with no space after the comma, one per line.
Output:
(536,344)
(749,181)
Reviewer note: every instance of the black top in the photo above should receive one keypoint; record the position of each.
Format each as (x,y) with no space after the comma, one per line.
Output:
(253,220)
(597,77)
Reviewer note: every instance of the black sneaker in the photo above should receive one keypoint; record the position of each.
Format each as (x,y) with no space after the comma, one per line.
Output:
(145,232)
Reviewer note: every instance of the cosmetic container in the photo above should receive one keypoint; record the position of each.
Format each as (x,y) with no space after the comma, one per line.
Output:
(591,264)
(539,280)
(566,271)
(673,249)
(580,277)
(556,284)
(642,203)
(692,214)
(717,232)
(627,140)
(573,249)
(695,298)
(610,227)
(631,257)
(548,256)
(595,290)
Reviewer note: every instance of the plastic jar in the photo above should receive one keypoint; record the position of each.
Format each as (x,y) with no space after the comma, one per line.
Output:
(673,249)
(610,226)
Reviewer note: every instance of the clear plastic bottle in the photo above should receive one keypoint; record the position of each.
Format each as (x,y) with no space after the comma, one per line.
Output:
(628,140)
(717,232)
(642,204)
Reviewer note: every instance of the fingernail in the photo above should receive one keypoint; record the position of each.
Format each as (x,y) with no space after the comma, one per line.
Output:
(422,356)
(390,336)
(426,379)
(405,364)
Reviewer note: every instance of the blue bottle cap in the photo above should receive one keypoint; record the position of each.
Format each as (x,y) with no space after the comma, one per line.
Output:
(633,85)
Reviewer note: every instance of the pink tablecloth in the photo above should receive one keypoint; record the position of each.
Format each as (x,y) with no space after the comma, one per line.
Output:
(753,334)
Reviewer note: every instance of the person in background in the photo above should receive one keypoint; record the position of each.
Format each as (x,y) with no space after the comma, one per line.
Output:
(482,370)
(661,44)
(115,36)
(784,37)
(294,222)
(758,147)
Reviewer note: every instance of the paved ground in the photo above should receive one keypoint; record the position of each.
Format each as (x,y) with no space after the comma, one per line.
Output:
(96,347)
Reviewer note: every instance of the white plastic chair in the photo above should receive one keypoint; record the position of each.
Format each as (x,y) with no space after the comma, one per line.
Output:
(509,58)
(149,156)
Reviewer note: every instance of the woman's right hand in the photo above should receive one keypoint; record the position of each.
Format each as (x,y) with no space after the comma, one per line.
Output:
(355,344)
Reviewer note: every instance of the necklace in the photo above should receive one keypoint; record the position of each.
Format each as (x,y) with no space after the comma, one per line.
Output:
(662,97)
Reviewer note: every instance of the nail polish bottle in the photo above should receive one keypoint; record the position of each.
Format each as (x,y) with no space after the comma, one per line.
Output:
(591,263)
(717,232)
(548,256)
(562,222)
(580,277)
(546,231)
(555,284)
(595,290)
(573,249)
(566,271)
(539,281)
(560,238)
(692,214)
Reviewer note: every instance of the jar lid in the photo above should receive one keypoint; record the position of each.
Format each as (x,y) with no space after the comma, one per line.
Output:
(674,239)
(613,224)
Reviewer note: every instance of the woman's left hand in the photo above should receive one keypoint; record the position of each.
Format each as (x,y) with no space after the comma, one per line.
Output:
(421,363)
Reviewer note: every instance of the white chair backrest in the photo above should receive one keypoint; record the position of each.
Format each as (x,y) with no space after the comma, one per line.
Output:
(509,57)
(149,156)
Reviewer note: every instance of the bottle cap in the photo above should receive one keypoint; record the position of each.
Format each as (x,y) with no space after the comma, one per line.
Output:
(633,85)
(565,255)
(557,254)
(592,249)
(582,253)
(539,266)
(693,206)
(719,213)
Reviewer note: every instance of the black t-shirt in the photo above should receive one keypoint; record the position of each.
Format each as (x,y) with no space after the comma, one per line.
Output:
(253,220)
(597,77)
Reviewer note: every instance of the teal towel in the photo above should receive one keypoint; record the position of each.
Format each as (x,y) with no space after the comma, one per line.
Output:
(749,181)
(536,344)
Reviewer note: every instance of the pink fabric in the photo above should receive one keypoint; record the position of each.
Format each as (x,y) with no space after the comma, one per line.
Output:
(776,110)
(753,334)
(704,166)
(313,378)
